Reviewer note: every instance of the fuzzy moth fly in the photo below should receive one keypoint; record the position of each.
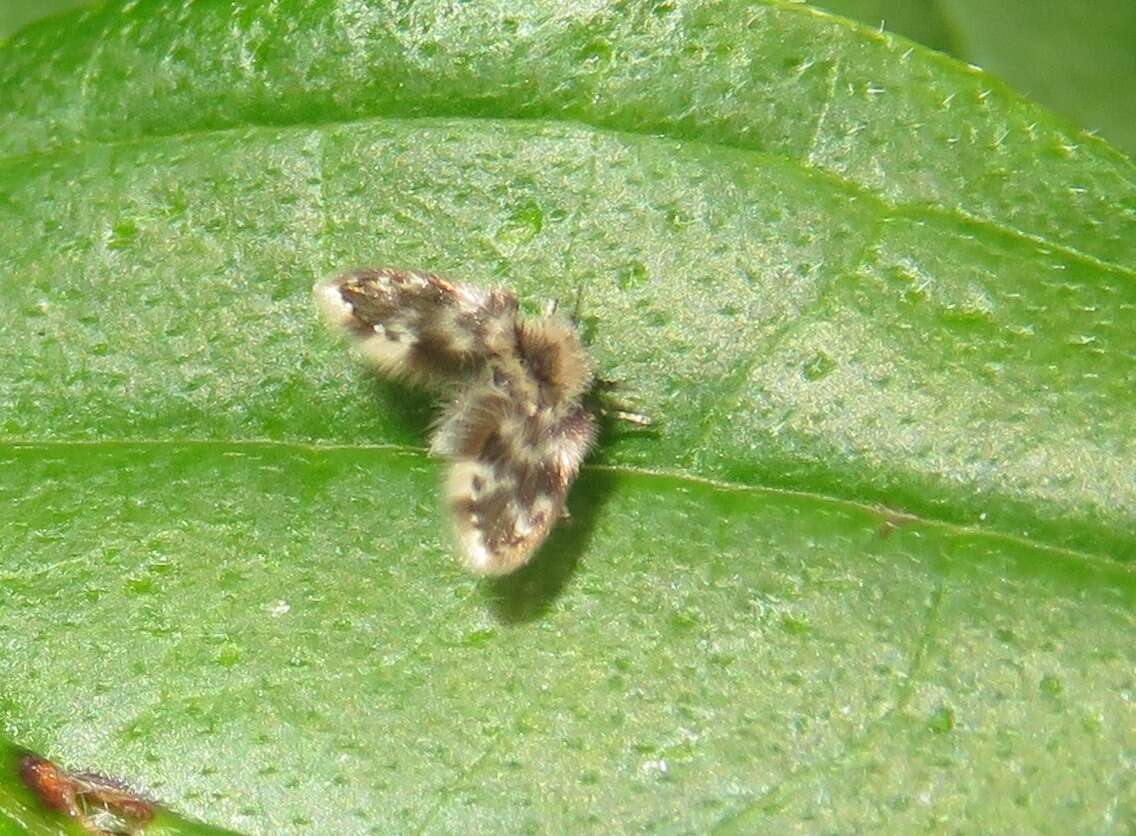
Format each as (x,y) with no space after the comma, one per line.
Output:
(514,427)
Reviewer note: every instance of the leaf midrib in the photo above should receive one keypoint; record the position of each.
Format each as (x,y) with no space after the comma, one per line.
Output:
(1091,559)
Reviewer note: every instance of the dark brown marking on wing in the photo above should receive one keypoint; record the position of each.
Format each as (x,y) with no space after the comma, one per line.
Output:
(534,480)
(437,349)
(553,356)
(425,310)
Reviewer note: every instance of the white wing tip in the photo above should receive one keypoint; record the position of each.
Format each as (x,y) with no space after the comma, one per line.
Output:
(336,310)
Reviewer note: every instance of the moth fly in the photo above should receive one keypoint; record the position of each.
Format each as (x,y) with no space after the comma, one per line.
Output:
(514,427)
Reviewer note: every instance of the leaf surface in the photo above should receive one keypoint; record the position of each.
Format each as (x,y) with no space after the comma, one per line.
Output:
(832,267)
(1076,58)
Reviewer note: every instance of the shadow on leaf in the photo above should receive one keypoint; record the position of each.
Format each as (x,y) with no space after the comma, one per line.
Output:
(409,413)
(527,594)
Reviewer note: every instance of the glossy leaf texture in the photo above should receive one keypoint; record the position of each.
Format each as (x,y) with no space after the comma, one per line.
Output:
(872,565)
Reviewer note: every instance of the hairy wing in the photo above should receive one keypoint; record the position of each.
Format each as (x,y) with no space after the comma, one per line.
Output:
(414,324)
(510,475)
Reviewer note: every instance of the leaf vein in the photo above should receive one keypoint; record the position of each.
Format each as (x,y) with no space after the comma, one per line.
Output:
(237,447)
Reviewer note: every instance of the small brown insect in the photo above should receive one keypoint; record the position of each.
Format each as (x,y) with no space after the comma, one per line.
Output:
(515,425)
(100,805)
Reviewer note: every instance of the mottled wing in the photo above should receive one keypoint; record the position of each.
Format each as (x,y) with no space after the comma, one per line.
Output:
(511,474)
(414,324)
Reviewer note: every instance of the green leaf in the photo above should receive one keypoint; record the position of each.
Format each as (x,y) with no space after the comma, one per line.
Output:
(15,14)
(1074,57)
(873,565)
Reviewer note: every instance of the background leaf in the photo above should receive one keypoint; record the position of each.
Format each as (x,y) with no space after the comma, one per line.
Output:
(16,14)
(840,272)
(1076,58)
